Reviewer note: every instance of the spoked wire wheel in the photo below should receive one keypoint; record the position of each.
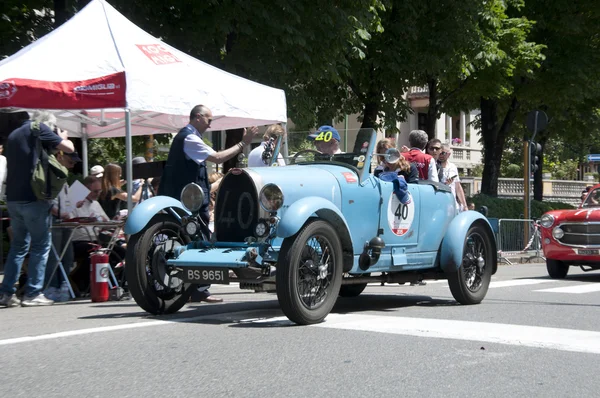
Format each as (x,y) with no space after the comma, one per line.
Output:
(470,283)
(153,284)
(309,273)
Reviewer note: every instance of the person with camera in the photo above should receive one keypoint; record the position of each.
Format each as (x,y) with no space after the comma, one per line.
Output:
(29,216)
(186,163)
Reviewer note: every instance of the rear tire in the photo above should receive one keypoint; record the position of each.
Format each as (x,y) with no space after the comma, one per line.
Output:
(149,279)
(556,269)
(309,273)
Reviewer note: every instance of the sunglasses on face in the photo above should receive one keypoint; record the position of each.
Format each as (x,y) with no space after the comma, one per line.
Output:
(435,148)
(444,153)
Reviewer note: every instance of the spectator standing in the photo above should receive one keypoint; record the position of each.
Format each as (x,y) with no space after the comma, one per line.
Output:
(186,163)
(256,158)
(57,289)
(112,196)
(2,172)
(417,140)
(434,147)
(30,217)
(450,177)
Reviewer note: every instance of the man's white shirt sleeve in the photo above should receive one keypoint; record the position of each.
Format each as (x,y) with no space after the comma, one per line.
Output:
(195,149)
(433,175)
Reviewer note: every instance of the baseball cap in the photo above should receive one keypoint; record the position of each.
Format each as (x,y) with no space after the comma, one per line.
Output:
(97,171)
(322,129)
(73,155)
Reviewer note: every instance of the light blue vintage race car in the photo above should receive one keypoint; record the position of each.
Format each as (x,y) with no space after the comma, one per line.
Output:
(321,227)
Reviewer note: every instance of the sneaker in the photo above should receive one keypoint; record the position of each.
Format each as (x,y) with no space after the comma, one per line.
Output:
(9,300)
(35,301)
(63,294)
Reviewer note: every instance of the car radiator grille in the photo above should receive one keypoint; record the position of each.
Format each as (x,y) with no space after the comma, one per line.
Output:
(583,234)
(236,208)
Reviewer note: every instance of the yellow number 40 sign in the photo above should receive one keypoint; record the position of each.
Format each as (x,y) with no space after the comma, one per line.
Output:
(324,136)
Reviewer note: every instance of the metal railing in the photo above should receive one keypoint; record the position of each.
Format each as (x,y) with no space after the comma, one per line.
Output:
(518,237)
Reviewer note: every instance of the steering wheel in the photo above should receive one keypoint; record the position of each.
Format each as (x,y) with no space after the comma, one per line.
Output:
(295,157)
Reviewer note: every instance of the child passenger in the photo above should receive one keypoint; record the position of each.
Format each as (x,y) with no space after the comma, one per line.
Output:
(401,166)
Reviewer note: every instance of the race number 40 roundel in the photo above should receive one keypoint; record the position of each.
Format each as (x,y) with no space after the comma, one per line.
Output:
(400,216)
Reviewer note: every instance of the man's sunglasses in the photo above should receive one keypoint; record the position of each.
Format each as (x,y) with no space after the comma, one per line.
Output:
(444,153)
(435,148)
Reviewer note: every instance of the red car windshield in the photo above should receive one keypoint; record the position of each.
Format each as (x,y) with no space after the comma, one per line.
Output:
(592,199)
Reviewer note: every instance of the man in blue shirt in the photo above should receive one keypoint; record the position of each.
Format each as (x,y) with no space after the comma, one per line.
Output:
(187,163)
(29,217)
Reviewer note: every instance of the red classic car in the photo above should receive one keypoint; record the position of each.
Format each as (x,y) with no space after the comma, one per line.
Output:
(572,237)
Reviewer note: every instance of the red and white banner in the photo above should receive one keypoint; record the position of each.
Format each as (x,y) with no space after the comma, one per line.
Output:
(102,92)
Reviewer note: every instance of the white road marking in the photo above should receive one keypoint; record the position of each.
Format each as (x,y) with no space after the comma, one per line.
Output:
(516,335)
(576,289)
(519,282)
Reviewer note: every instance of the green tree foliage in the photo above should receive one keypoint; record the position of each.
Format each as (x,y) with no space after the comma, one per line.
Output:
(22,22)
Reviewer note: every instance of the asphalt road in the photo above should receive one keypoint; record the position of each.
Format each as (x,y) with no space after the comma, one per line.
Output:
(532,336)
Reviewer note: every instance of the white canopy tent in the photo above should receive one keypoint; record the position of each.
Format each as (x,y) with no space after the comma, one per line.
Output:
(105,77)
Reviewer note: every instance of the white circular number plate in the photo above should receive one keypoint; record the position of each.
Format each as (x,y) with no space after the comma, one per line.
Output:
(400,217)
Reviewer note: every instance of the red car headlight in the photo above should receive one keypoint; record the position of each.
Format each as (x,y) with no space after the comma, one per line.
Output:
(547,220)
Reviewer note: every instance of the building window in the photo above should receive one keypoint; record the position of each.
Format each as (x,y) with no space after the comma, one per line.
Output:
(422,121)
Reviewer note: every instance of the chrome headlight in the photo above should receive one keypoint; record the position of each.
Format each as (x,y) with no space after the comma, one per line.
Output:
(558,233)
(547,220)
(192,197)
(271,198)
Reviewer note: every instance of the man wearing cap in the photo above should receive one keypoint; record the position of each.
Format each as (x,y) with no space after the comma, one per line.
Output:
(97,171)
(327,140)
(186,163)
(56,287)
(30,217)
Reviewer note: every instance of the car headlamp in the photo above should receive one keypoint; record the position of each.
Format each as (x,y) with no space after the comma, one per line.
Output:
(547,220)
(192,197)
(558,233)
(262,229)
(271,198)
(191,228)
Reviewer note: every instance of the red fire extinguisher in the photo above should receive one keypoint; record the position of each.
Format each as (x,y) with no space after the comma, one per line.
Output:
(99,272)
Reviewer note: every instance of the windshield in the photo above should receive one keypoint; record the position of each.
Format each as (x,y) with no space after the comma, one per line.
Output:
(592,199)
(350,148)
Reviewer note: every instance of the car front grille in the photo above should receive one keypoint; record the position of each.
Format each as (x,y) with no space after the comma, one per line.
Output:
(580,234)
(236,208)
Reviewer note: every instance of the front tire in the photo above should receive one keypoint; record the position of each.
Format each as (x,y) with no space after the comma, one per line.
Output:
(556,269)
(309,273)
(151,282)
(470,283)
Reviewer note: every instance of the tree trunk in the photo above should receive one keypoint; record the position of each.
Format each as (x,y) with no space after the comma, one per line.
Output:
(232,137)
(432,111)
(494,138)
(61,12)
(370,115)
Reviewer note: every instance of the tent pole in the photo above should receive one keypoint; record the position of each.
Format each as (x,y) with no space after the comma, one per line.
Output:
(285,143)
(128,157)
(84,151)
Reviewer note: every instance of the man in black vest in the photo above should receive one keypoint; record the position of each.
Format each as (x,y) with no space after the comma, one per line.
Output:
(187,163)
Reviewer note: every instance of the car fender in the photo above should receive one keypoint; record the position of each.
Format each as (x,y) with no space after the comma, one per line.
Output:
(143,212)
(296,215)
(454,240)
